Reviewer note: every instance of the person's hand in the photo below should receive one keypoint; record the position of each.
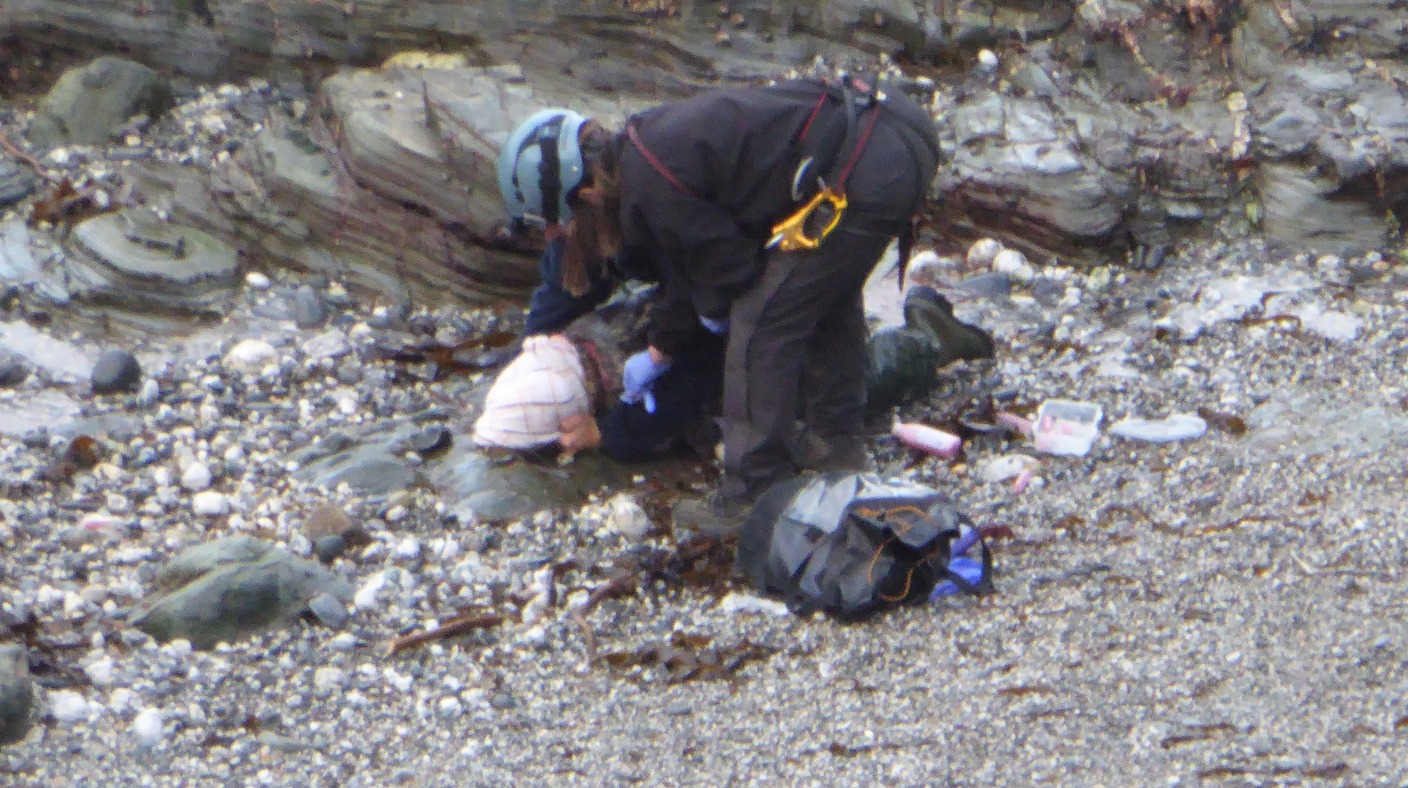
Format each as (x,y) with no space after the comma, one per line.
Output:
(579,433)
(716,326)
(639,377)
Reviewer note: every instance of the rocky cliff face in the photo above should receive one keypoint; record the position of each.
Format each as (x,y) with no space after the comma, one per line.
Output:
(1088,132)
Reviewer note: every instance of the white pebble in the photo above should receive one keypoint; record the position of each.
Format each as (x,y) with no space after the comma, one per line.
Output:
(344,641)
(987,59)
(366,596)
(196,477)
(450,707)
(408,548)
(148,728)
(1014,264)
(626,517)
(121,699)
(347,406)
(446,549)
(400,681)
(177,649)
(983,251)
(68,706)
(329,678)
(210,504)
(747,603)
(251,355)
(100,672)
(150,393)
(396,514)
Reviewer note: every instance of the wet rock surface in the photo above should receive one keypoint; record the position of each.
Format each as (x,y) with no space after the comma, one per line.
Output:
(1109,134)
(16,181)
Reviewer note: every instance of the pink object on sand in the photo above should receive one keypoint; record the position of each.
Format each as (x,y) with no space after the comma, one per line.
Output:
(1023,479)
(927,439)
(1014,422)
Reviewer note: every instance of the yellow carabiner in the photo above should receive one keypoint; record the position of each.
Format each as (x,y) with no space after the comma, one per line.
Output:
(790,234)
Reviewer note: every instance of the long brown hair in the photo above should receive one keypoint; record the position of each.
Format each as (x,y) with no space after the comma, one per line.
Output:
(594,232)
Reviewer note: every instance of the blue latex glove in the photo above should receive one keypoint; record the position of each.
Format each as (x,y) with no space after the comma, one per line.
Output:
(639,377)
(718,327)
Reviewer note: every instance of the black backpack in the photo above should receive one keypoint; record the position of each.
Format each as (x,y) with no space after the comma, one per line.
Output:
(852,544)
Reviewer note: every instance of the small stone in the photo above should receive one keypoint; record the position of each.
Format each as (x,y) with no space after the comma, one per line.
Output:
(100,672)
(280,742)
(210,504)
(134,638)
(983,251)
(344,641)
(408,548)
(251,356)
(430,440)
(13,369)
(328,679)
(309,309)
(149,728)
(1014,264)
(68,706)
(331,612)
(257,280)
(987,60)
(327,521)
(329,548)
(626,517)
(150,393)
(116,370)
(987,285)
(196,477)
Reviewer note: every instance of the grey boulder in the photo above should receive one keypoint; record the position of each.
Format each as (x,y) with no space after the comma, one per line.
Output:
(224,590)
(91,103)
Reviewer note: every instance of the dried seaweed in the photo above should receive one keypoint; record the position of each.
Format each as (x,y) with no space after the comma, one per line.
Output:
(65,204)
(1229,422)
(685,657)
(81,454)
(474,355)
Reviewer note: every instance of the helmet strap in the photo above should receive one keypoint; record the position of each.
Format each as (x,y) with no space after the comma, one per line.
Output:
(549,174)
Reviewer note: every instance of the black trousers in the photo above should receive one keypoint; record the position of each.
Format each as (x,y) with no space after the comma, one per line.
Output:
(799,331)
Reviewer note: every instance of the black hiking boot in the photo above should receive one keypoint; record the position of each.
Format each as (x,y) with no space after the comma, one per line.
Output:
(815,453)
(715,514)
(931,315)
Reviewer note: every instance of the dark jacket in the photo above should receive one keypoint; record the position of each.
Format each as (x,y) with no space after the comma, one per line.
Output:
(731,155)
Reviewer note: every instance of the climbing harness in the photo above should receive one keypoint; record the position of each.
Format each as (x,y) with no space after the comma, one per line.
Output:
(814,220)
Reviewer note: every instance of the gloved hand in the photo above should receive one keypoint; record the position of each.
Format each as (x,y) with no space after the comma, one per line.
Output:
(639,377)
(717,326)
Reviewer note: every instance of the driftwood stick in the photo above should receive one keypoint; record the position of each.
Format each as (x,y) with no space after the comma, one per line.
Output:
(459,625)
(24,158)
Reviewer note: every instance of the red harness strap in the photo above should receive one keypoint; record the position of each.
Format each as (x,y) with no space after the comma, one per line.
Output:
(656,163)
